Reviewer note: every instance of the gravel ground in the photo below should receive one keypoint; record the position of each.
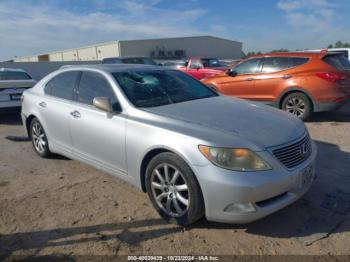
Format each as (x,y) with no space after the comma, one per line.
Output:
(65,208)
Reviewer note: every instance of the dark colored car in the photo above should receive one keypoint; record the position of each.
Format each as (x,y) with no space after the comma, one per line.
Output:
(129,60)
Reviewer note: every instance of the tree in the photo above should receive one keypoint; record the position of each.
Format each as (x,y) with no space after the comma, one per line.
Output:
(282,50)
(340,44)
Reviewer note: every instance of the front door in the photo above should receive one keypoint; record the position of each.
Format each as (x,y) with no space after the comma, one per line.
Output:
(98,136)
(242,84)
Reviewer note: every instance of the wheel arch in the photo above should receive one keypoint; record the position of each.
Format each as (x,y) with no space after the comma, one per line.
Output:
(151,153)
(296,90)
(29,119)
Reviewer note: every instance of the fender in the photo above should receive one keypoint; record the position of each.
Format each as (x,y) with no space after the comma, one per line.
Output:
(296,89)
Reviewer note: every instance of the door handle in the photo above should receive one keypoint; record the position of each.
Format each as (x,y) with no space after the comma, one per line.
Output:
(250,79)
(287,76)
(42,104)
(75,114)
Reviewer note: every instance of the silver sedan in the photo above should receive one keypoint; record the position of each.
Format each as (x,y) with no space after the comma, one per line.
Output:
(196,153)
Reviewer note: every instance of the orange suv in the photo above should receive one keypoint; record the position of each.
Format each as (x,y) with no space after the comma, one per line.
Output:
(300,83)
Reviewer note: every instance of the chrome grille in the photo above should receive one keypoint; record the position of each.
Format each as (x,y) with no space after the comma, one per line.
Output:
(294,154)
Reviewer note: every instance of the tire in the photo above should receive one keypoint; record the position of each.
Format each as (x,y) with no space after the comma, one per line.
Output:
(297,104)
(174,191)
(39,139)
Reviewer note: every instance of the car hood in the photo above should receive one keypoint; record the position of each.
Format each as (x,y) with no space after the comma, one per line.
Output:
(254,122)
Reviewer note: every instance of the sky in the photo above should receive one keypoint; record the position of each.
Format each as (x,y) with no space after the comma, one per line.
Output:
(30,27)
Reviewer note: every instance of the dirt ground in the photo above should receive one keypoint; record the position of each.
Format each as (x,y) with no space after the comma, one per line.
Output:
(62,207)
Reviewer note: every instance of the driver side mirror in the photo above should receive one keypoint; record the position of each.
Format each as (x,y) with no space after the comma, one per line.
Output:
(103,103)
(232,72)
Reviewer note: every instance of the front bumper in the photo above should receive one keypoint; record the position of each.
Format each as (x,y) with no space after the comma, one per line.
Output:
(268,191)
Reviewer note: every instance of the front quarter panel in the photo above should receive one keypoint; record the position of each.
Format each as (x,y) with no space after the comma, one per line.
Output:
(142,138)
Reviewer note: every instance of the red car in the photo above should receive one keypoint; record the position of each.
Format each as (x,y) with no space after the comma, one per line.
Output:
(200,68)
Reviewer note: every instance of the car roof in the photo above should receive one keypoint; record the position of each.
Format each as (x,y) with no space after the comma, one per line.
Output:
(292,54)
(113,68)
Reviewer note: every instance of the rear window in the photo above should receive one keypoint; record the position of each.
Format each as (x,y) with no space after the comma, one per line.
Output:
(14,75)
(338,61)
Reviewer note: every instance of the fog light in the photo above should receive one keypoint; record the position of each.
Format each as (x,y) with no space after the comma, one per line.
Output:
(240,208)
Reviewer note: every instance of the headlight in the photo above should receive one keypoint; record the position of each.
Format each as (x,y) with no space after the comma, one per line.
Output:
(238,159)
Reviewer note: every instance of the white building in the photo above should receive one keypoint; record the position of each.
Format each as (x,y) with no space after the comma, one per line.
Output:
(179,47)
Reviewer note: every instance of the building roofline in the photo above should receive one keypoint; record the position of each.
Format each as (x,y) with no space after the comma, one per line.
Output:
(117,41)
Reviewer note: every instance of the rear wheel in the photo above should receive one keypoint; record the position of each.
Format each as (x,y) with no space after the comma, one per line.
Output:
(173,189)
(39,139)
(297,104)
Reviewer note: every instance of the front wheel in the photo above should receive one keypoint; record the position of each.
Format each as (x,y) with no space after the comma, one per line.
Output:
(39,139)
(297,104)
(173,189)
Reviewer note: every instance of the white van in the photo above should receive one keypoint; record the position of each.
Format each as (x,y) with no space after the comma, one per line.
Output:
(345,51)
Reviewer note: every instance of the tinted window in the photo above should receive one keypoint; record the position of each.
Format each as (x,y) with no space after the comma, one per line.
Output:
(248,67)
(297,61)
(275,64)
(156,88)
(14,75)
(338,61)
(62,85)
(95,85)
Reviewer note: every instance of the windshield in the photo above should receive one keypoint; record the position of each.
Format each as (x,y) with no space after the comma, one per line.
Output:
(212,62)
(157,88)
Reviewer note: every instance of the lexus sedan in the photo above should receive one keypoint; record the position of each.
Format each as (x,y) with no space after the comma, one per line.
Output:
(12,84)
(192,150)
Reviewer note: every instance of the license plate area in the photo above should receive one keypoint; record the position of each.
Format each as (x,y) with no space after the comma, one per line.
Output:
(15,97)
(307,176)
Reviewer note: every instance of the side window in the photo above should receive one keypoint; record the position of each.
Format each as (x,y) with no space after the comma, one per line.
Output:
(14,75)
(62,85)
(248,67)
(95,85)
(275,64)
(297,61)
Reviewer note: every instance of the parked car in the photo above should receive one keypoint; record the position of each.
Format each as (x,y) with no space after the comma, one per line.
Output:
(192,150)
(300,83)
(129,60)
(174,63)
(200,68)
(12,84)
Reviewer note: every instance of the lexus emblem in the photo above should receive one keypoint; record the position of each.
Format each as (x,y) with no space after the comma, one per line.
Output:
(303,150)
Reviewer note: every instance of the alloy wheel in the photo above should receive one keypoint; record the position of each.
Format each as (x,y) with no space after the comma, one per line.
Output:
(295,106)
(39,139)
(170,190)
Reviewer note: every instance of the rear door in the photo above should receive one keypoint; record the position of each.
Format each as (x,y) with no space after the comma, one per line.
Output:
(275,76)
(98,136)
(56,107)
(242,85)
